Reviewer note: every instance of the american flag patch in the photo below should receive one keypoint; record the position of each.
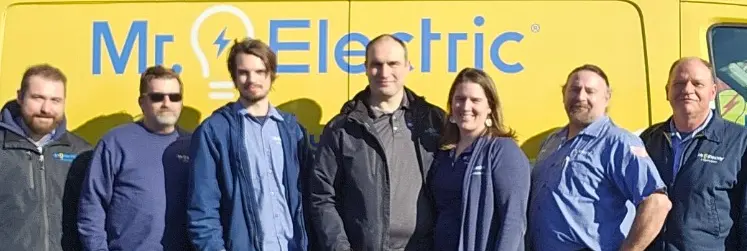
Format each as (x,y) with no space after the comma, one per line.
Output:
(639,151)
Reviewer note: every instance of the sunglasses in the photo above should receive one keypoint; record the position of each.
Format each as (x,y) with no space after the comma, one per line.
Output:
(158,97)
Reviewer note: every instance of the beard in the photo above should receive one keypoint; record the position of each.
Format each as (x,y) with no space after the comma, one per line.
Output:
(167,118)
(251,99)
(39,123)
(580,114)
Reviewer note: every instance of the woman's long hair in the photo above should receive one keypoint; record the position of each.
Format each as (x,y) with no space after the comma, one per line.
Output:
(450,134)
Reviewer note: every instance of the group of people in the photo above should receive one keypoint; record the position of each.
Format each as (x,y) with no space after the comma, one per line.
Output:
(391,171)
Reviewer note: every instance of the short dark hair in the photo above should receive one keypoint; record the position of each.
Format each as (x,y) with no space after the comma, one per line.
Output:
(254,47)
(587,67)
(158,72)
(45,71)
(384,37)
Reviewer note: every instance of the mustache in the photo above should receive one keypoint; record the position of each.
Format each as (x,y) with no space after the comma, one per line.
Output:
(579,105)
(46,116)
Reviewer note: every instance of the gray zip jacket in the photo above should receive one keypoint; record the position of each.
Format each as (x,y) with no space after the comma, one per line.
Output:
(38,192)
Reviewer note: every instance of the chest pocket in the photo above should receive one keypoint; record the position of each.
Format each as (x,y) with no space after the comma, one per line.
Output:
(581,174)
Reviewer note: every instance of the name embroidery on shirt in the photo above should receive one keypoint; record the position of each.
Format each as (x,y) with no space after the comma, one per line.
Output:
(183,158)
(710,158)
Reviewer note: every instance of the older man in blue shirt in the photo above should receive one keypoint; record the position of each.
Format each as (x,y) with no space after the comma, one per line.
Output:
(587,172)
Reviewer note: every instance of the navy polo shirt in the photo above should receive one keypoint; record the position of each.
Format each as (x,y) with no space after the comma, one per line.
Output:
(447,186)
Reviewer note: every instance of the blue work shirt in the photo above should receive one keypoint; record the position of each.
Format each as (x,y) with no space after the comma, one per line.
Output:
(679,142)
(447,186)
(580,188)
(266,168)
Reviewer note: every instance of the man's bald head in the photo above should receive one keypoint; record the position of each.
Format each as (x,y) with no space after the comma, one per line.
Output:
(690,88)
(688,60)
(385,38)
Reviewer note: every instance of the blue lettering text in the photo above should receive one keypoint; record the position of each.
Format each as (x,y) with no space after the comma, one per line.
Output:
(119,58)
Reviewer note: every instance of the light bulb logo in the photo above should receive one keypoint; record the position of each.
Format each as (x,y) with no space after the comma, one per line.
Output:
(223,90)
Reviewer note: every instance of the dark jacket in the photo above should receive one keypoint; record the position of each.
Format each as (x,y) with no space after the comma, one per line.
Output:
(349,186)
(494,197)
(34,183)
(708,195)
(219,210)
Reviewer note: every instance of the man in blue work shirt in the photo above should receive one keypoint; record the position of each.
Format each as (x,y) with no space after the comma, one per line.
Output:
(244,190)
(701,157)
(587,172)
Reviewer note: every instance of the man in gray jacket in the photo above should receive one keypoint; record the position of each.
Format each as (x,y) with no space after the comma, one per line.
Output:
(35,162)
(366,188)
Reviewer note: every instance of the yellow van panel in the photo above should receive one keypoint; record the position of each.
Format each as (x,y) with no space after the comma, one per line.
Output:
(528,47)
(103,47)
(528,53)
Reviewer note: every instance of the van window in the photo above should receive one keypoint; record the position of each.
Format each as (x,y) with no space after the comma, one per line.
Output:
(729,58)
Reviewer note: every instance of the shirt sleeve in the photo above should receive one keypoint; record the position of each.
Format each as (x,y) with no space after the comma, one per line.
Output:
(95,198)
(633,171)
(203,194)
(511,189)
(326,222)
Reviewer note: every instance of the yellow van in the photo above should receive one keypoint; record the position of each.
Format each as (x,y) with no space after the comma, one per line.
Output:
(527,46)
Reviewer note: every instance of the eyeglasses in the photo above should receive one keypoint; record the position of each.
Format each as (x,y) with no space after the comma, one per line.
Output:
(158,97)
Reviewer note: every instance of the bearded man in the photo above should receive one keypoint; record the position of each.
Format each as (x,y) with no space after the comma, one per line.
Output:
(588,173)
(36,157)
(134,192)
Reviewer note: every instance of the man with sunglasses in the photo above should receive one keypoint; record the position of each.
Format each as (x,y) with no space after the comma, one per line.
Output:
(134,193)
(247,159)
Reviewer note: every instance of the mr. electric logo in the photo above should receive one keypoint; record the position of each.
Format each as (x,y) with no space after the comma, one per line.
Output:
(119,58)
(331,52)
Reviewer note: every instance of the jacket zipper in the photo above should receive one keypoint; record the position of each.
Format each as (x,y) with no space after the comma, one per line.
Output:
(31,174)
(385,210)
(45,211)
(671,149)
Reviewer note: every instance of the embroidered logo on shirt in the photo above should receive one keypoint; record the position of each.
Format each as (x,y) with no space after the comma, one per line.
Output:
(639,151)
(183,158)
(64,157)
(710,158)
(276,139)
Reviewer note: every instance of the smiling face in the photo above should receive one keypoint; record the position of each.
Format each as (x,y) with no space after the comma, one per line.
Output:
(691,88)
(470,107)
(585,97)
(42,104)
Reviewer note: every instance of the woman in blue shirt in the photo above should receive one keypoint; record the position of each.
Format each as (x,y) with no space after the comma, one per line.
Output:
(480,178)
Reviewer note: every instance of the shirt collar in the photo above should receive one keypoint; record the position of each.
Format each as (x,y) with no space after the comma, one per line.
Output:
(272,112)
(405,105)
(594,129)
(701,128)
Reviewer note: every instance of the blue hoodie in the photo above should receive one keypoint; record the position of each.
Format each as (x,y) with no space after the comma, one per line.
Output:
(220,216)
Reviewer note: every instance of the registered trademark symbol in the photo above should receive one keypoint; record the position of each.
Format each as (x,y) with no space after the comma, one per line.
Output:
(535,28)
